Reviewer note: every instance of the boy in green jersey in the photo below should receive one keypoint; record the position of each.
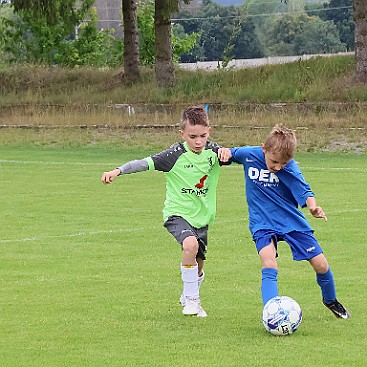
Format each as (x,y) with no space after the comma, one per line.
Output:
(191,169)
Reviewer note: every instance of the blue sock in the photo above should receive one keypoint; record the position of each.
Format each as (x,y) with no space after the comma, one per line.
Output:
(269,284)
(327,285)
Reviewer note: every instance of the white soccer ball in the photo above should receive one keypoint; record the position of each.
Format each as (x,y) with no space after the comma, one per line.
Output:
(282,315)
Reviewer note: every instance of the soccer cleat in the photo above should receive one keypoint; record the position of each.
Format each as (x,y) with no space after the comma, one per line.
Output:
(337,309)
(191,306)
(201,313)
(182,297)
(182,300)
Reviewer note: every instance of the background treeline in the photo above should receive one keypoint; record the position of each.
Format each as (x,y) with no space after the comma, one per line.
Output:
(201,32)
(266,28)
(28,37)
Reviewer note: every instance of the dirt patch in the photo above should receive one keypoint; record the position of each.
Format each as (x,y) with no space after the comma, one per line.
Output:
(337,146)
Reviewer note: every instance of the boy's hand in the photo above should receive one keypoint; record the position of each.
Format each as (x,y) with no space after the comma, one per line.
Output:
(224,154)
(317,212)
(108,177)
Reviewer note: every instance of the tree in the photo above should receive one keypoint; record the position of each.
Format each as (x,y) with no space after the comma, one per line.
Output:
(164,69)
(53,10)
(29,39)
(257,9)
(131,42)
(360,20)
(317,37)
(341,13)
(181,41)
(244,40)
(5,13)
(295,6)
(226,32)
(282,33)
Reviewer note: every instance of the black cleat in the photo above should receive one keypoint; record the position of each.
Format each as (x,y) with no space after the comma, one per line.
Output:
(337,309)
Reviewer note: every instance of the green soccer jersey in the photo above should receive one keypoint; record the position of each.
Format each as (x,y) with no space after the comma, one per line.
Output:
(191,182)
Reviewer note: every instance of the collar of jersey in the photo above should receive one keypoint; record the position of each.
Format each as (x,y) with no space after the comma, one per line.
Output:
(190,151)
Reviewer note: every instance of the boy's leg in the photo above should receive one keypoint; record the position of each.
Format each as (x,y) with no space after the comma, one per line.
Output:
(325,279)
(201,277)
(200,281)
(193,243)
(269,282)
(190,276)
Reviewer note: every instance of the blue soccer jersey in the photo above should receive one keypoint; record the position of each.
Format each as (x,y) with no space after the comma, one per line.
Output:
(273,198)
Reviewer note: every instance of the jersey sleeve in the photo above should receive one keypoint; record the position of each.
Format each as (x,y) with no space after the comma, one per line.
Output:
(300,189)
(215,148)
(165,160)
(134,166)
(239,154)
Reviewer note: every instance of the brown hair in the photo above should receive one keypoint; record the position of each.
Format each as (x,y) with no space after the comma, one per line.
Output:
(283,140)
(194,115)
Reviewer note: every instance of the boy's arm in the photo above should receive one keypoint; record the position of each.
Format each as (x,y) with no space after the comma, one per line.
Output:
(127,168)
(315,210)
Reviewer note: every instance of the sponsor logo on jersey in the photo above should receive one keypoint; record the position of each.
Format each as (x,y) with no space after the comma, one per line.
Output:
(194,192)
(263,177)
(200,185)
(199,188)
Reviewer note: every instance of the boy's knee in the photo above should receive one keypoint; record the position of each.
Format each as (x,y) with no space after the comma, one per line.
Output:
(320,264)
(268,257)
(190,245)
(269,263)
(322,268)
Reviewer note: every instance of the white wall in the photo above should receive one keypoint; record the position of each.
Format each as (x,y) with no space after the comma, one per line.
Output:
(253,63)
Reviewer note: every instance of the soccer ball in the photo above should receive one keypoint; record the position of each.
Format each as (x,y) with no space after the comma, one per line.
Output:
(282,315)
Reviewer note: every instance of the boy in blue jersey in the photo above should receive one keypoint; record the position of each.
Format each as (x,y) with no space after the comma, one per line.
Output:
(191,170)
(275,187)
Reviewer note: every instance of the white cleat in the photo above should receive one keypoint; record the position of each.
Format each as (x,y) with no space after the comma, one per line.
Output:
(202,313)
(182,300)
(191,306)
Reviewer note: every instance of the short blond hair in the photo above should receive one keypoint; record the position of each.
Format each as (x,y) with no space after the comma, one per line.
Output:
(281,140)
(194,115)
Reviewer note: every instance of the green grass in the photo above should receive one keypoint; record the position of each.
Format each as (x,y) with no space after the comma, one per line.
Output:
(315,80)
(65,107)
(89,276)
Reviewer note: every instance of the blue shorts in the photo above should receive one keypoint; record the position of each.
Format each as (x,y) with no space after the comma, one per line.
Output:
(304,245)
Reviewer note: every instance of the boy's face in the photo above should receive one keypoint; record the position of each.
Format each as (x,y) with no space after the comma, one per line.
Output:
(274,160)
(196,136)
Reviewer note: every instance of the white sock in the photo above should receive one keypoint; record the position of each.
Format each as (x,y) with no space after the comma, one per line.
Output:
(190,279)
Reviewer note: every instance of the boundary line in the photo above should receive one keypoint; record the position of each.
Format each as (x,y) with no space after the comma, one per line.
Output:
(113,231)
(105,164)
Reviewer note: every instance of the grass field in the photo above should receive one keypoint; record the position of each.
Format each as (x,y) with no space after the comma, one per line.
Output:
(89,276)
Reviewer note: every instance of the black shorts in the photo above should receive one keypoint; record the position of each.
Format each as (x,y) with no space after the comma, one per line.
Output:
(181,229)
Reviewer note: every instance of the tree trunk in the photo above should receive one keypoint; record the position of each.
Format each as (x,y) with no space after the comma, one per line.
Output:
(360,20)
(164,69)
(131,42)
